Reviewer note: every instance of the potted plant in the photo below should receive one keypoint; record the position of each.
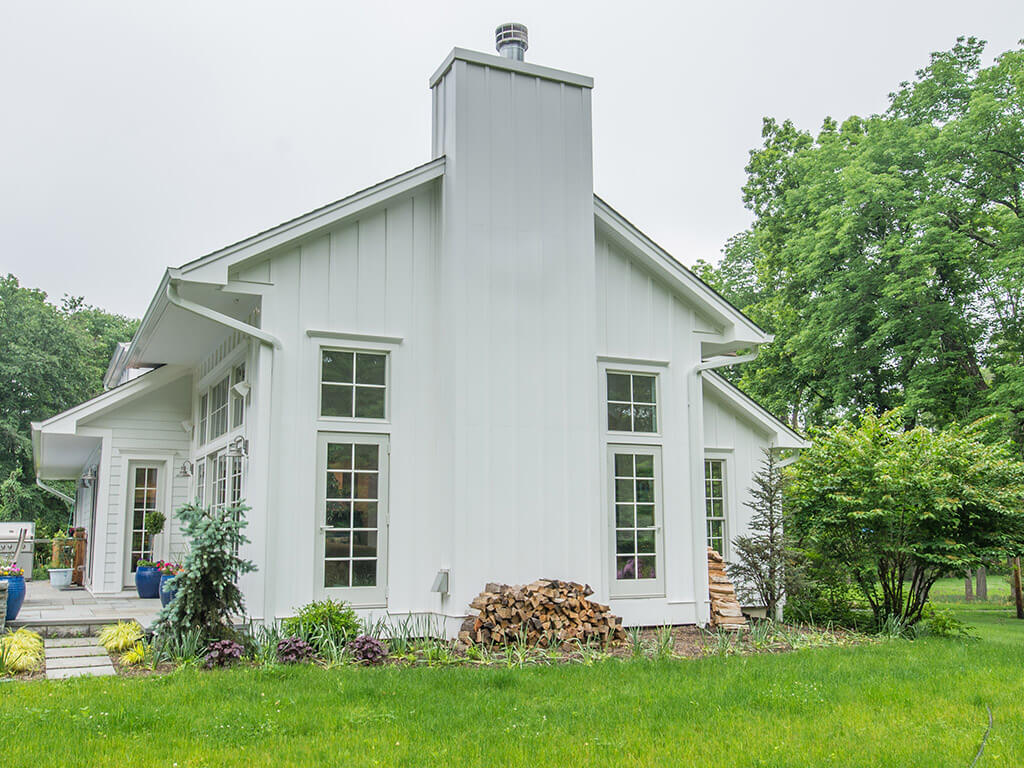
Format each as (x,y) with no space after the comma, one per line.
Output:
(147,578)
(147,572)
(167,588)
(15,578)
(63,558)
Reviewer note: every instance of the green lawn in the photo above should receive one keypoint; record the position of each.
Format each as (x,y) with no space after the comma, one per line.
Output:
(895,703)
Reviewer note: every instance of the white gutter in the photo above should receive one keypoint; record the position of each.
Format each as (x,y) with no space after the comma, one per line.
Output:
(722,361)
(218,317)
(62,496)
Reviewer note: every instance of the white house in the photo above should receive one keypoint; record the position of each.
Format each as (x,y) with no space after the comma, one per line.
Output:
(476,367)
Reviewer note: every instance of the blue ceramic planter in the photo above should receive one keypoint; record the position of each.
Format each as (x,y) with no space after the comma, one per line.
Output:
(166,593)
(147,582)
(15,595)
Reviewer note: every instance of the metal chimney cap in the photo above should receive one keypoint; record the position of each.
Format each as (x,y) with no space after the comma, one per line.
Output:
(511,40)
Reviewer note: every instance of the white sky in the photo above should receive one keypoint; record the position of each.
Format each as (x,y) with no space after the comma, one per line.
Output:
(137,135)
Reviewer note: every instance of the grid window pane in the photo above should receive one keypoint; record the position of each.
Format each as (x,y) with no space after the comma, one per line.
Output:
(632,402)
(714,503)
(219,408)
(351,540)
(353,384)
(636,532)
(144,501)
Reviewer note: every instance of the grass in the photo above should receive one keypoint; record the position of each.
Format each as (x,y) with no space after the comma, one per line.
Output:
(895,703)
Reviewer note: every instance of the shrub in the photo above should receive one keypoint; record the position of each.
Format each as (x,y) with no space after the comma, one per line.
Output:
(940,622)
(207,596)
(222,653)
(367,650)
(293,650)
(324,624)
(20,651)
(119,637)
(135,655)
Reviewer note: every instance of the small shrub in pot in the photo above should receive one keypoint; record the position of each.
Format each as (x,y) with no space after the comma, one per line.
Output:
(368,650)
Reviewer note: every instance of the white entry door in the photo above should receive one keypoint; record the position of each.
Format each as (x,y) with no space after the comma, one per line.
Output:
(144,497)
(352,518)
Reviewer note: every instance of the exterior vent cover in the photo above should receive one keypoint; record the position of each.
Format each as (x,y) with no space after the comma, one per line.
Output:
(511,41)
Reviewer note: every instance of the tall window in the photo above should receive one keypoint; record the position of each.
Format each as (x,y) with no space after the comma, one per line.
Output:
(632,402)
(144,501)
(353,384)
(714,503)
(237,400)
(637,557)
(219,408)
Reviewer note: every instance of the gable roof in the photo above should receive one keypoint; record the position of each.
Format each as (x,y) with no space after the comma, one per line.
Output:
(740,328)
(786,436)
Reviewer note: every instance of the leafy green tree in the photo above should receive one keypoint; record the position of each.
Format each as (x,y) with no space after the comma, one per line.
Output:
(51,358)
(887,253)
(898,508)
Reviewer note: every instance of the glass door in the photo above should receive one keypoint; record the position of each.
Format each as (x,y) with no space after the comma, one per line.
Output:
(143,499)
(636,518)
(352,515)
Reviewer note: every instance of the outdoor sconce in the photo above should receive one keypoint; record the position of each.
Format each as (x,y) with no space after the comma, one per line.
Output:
(238,448)
(241,388)
(186,469)
(89,477)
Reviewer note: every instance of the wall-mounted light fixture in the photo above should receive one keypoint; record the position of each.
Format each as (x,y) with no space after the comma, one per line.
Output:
(186,469)
(239,447)
(186,427)
(89,477)
(242,388)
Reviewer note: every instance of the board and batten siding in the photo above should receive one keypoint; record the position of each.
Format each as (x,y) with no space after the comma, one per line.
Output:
(143,429)
(734,437)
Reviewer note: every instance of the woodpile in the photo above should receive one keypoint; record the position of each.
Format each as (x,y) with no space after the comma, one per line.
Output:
(543,611)
(725,608)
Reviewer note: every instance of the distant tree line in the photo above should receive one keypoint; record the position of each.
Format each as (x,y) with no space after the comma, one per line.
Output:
(52,357)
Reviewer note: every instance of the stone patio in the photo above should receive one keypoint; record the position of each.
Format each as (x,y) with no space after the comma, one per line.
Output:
(73,611)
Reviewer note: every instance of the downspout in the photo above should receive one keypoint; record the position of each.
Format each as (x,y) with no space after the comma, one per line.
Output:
(53,491)
(273,343)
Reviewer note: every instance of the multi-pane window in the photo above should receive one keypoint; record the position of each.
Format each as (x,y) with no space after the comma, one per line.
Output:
(204,414)
(219,480)
(144,501)
(714,503)
(201,483)
(632,402)
(219,408)
(352,516)
(636,532)
(353,384)
(237,400)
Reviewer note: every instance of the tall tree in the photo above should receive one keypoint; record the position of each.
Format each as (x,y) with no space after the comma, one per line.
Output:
(887,253)
(51,358)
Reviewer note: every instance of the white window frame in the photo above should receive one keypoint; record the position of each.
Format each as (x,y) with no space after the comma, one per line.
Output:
(355,349)
(637,587)
(633,370)
(205,453)
(725,455)
(363,597)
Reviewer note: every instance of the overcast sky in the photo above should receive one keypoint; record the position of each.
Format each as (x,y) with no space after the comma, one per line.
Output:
(137,135)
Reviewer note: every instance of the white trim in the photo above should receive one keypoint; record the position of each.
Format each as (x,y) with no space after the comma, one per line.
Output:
(785,436)
(724,455)
(630,366)
(618,360)
(635,588)
(739,327)
(368,338)
(510,65)
(332,423)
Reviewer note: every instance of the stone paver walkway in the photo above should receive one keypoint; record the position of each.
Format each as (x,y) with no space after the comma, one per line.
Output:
(75,657)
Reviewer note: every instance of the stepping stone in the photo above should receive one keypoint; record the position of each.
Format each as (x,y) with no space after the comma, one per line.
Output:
(75,651)
(69,642)
(79,662)
(60,674)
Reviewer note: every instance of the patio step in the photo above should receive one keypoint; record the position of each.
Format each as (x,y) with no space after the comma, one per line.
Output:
(76,657)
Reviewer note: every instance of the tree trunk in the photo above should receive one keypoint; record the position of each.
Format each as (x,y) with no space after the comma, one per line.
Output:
(981,584)
(1018,598)
(968,593)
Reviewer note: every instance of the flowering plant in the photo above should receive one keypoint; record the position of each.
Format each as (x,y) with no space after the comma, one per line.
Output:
(11,570)
(167,568)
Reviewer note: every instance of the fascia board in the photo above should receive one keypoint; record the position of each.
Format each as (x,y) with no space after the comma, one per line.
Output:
(788,438)
(510,65)
(738,326)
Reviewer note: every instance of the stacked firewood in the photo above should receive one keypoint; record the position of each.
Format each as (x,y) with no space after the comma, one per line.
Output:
(725,608)
(542,612)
